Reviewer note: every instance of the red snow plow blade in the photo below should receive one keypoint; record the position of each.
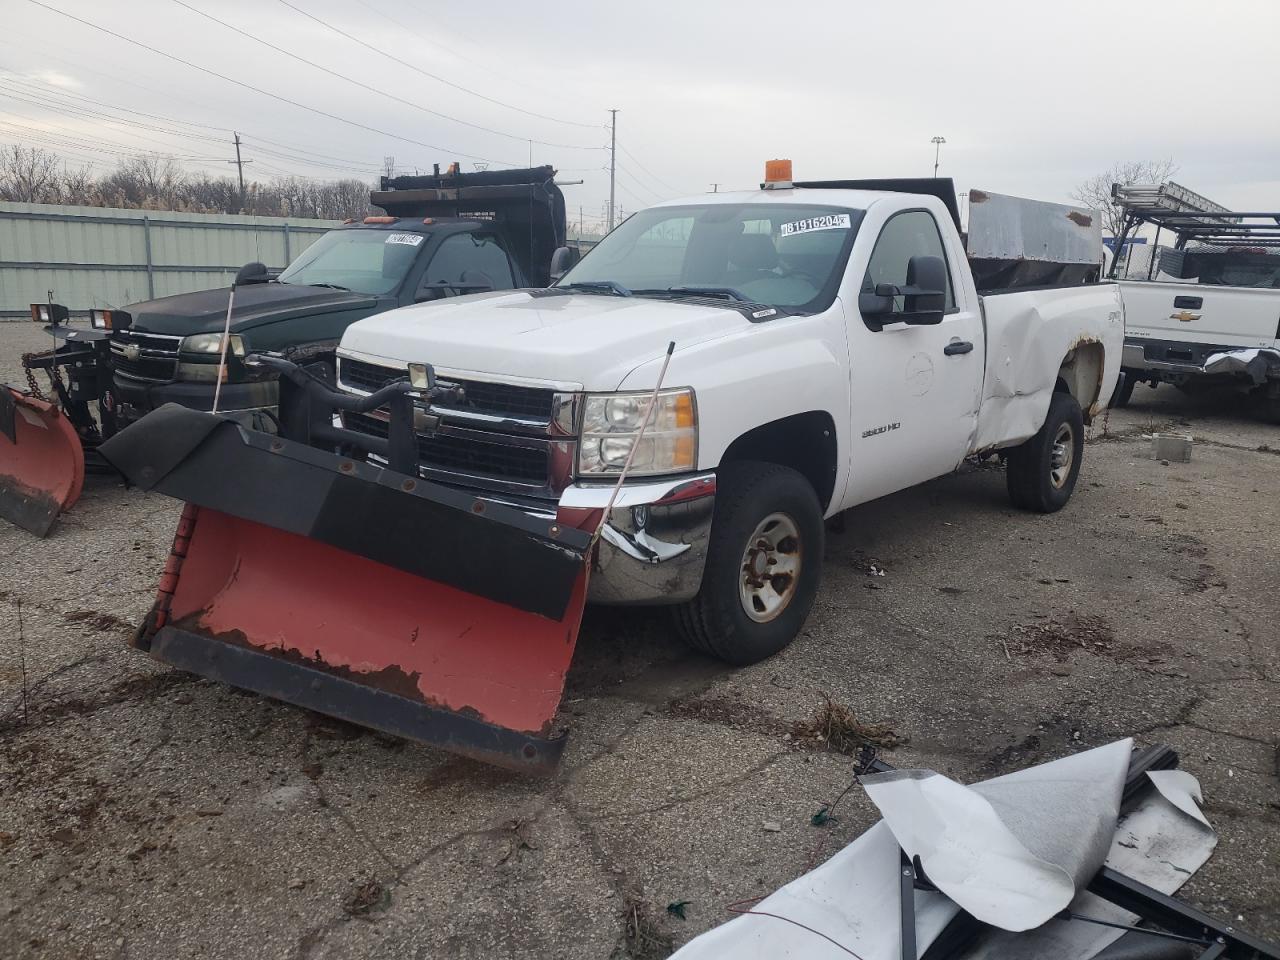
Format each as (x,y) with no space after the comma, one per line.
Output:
(41,461)
(358,591)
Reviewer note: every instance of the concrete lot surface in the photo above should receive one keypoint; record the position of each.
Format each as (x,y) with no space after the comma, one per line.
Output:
(145,813)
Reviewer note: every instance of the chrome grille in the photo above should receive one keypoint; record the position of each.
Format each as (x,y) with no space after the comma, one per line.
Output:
(489,399)
(156,359)
(502,437)
(468,456)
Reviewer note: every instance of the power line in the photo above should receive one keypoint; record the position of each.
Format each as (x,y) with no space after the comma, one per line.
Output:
(265,93)
(636,183)
(77,135)
(342,163)
(370,87)
(78,65)
(47,89)
(452,50)
(650,175)
(63,141)
(74,110)
(448,83)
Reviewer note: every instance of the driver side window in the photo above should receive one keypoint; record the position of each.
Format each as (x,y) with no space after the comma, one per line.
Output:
(467,258)
(906,235)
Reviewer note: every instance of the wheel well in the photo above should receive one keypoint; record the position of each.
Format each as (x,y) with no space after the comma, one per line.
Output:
(1081,376)
(805,442)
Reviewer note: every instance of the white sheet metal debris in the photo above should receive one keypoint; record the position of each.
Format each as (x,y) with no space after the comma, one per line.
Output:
(1049,828)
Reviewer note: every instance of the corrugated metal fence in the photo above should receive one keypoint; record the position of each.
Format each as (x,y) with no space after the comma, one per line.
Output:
(104,257)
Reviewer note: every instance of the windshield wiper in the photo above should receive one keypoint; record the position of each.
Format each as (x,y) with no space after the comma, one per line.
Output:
(728,293)
(331,286)
(612,286)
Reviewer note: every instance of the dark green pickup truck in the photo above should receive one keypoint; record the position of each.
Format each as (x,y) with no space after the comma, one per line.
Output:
(443,235)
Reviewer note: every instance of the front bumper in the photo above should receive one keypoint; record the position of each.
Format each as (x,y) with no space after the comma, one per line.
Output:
(136,398)
(653,548)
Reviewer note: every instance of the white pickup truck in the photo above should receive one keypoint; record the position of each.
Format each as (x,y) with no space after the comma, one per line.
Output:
(1204,309)
(831,347)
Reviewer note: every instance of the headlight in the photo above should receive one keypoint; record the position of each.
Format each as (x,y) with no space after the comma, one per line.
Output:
(211,344)
(611,421)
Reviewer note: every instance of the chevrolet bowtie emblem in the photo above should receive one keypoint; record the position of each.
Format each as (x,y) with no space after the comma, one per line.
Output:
(132,351)
(1186,316)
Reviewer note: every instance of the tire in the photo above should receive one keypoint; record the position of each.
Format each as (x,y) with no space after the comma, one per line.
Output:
(1037,478)
(1124,390)
(756,502)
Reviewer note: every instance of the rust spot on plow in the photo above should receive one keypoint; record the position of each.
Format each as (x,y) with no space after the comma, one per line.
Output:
(1080,219)
(391,678)
(978,196)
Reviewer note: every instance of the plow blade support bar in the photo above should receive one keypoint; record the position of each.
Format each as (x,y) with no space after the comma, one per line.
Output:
(359,592)
(41,461)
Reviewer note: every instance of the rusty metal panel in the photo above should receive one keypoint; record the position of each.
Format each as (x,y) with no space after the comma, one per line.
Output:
(106,257)
(1011,228)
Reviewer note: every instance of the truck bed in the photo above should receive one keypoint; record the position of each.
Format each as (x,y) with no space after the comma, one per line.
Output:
(1028,332)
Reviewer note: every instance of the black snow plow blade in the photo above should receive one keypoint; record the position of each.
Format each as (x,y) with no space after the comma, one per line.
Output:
(360,591)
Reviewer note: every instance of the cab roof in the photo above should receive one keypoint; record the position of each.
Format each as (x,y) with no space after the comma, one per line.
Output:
(855,194)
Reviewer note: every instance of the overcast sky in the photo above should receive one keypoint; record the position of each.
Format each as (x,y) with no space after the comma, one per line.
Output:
(1032,97)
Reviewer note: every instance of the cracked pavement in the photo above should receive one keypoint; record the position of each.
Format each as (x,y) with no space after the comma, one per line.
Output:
(148,813)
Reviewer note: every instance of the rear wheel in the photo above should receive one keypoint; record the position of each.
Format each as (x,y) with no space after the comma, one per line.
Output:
(1041,472)
(764,564)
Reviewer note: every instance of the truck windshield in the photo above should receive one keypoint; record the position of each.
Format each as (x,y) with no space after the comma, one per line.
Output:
(366,261)
(785,256)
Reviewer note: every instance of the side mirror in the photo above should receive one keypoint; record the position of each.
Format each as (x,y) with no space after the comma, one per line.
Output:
(562,260)
(253,272)
(924,297)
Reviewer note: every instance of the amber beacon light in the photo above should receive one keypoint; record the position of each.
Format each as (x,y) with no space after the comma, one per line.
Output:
(777,175)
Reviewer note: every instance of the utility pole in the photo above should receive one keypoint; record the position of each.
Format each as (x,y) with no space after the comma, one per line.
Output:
(715,188)
(613,161)
(239,169)
(937,152)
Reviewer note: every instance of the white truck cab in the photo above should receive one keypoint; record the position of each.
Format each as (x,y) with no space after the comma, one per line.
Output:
(1203,308)
(831,346)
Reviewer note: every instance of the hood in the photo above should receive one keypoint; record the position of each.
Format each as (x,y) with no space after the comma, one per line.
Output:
(587,340)
(206,310)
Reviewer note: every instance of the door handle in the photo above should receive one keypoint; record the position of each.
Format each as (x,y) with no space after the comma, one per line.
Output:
(957,347)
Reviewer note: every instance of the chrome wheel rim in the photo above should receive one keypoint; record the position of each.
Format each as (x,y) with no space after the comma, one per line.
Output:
(1062,455)
(770,568)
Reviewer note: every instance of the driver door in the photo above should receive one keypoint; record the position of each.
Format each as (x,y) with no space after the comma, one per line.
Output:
(915,389)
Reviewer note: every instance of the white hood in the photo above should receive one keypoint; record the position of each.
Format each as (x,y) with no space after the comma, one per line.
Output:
(586,340)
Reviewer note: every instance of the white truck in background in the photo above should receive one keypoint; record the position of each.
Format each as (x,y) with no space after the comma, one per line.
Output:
(831,346)
(1205,309)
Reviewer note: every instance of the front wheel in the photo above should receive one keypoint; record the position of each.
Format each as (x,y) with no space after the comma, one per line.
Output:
(764,564)
(1041,472)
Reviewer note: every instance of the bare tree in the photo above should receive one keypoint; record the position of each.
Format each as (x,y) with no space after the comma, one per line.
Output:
(155,182)
(1095,193)
(29,175)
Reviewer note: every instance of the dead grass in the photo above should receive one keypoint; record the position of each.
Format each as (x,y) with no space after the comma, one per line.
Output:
(642,934)
(840,729)
(365,898)
(1060,638)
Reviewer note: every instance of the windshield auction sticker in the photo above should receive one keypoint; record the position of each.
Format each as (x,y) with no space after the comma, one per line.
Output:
(834,221)
(413,239)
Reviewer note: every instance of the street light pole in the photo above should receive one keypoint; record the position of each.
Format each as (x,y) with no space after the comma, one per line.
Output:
(937,152)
